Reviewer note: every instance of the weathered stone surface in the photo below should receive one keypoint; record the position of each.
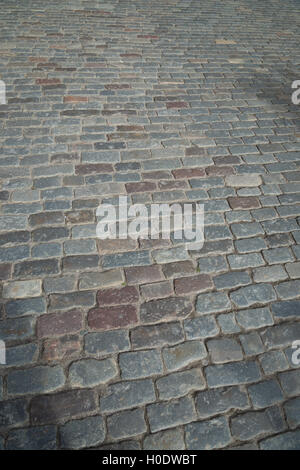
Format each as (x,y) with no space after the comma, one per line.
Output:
(165,440)
(22,289)
(56,324)
(224,350)
(37,438)
(87,432)
(286,441)
(208,435)
(198,283)
(265,394)
(232,374)
(106,342)
(40,379)
(125,295)
(107,318)
(13,413)
(156,335)
(180,383)
(183,354)
(212,303)
(68,404)
(156,102)
(170,308)
(170,414)
(126,423)
(135,365)
(91,372)
(20,307)
(124,395)
(64,347)
(212,402)
(143,274)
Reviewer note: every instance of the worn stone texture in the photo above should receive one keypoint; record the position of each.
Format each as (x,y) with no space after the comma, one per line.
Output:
(145,344)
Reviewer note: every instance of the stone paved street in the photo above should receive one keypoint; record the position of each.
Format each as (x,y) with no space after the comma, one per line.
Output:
(124,344)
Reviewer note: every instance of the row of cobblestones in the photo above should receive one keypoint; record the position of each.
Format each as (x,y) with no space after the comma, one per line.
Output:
(142,344)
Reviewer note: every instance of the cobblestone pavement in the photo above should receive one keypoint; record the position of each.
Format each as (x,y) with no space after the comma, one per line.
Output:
(120,345)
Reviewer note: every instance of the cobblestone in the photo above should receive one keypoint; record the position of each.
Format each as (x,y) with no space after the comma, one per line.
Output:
(265,394)
(124,395)
(252,344)
(165,440)
(170,414)
(37,438)
(254,318)
(208,435)
(180,383)
(40,379)
(212,402)
(232,374)
(77,434)
(285,441)
(252,424)
(185,353)
(134,365)
(122,344)
(126,423)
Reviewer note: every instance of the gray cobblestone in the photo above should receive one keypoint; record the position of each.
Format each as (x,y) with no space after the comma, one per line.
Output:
(269,274)
(165,440)
(286,309)
(288,290)
(232,374)
(37,438)
(293,270)
(286,441)
(156,335)
(124,395)
(126,424)
(140,364)
(246,245)
(212,264)
(22,354)
(244,230)
(90,372)
(292,411)
(278,255)
(231,280)
(203,327)
(87,432)
(40,379)
(17,329)
(290,382)
(208,435)
(253,424)
(134,258)
(170,414)
(228,323)
(106,342)
(186,353)
(273,361)
(32,306)
(250,295)
(152,112)
(180,383)
(212,402)
(212,303)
